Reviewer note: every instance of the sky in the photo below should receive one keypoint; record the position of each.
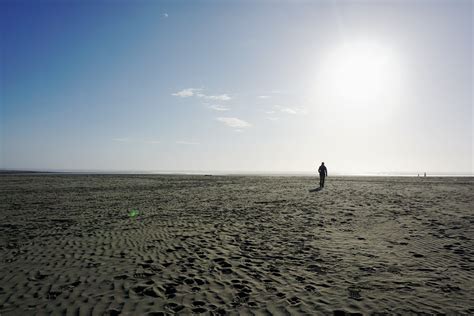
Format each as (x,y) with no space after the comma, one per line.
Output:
(237,86)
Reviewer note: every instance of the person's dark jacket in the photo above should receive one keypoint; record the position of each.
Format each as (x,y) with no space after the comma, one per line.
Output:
(323,171)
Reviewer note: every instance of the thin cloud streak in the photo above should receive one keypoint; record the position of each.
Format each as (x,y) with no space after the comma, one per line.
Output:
(221,97)
(186,93)
(217,107)
(234,122)
(290,110)
(196,92)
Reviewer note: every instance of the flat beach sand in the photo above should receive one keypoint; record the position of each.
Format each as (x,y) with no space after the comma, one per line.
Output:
(159,245)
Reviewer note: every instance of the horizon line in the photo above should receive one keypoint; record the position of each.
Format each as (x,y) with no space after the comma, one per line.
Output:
(233,172)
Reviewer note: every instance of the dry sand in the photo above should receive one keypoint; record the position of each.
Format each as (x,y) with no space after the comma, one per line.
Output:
(235,245)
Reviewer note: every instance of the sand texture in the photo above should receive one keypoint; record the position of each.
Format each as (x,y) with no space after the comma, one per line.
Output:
(235,245)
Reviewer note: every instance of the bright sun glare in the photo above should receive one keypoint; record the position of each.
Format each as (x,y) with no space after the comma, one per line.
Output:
(358,74)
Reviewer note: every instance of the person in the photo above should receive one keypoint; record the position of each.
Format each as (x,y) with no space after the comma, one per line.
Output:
(323,172)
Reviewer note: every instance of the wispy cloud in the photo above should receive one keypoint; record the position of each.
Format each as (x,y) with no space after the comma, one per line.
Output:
(217,107)
(234,122)
(290,110)
(184,142)
(220,97)
(197,92)
(263,97)
(165,15)
(186,93)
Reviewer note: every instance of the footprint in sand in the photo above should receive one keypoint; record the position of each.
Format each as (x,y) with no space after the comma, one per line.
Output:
(199,310)
(56,290)
(189,281)
(170,290)
(238,286)
(141,273)
(252,304)
(199,307)
(152,292)
(270,288)
(199,282)
(220,311)
(39,275)
(314,268)
(226,271)
(242,296)
(294,300)
(448,288)
(338,312)
(310,288)
(173,307)
(225,267)
(354,293)
(121,277)
(115,312)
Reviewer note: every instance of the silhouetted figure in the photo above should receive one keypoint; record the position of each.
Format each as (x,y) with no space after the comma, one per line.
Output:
(323,172)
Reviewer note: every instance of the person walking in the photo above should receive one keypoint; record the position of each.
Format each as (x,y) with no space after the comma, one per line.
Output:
(323,172)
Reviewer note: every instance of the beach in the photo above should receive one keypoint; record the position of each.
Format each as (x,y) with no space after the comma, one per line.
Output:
(248,245)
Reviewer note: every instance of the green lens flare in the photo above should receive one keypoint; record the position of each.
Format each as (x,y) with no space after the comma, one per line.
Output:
(133,213)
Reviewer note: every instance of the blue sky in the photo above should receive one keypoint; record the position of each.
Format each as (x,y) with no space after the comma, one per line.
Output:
(237,86)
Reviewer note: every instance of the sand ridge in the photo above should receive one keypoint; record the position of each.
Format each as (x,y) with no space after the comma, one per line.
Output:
(235,245)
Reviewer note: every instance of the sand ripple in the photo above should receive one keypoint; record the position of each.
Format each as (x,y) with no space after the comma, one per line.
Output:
(235,245)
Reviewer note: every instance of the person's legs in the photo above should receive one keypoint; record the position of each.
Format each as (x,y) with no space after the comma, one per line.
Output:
(322,181)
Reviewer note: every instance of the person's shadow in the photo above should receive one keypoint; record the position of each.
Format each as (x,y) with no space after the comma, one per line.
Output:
(315,190)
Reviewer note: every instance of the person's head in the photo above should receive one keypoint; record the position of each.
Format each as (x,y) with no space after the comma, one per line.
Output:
(322,163)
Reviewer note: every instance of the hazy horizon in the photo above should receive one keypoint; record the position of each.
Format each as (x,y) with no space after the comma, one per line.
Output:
(241,172)
(367,87)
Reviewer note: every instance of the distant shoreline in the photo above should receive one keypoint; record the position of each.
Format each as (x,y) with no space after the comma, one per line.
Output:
(222,173)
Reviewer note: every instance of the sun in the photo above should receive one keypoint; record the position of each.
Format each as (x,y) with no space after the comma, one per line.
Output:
(358,73)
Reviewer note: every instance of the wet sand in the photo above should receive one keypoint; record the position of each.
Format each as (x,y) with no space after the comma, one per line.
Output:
(70,244)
